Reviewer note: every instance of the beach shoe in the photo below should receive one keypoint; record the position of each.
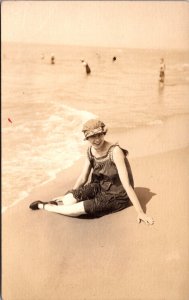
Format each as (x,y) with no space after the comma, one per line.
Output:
(34,205)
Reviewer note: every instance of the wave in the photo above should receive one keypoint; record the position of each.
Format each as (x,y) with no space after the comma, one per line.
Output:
(43,147)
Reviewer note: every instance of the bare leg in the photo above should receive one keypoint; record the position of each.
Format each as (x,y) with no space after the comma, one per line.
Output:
(66,199)
(72,210)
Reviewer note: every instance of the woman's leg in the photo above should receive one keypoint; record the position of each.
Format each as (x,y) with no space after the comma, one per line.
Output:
(67,199)
(88,191)
(71,210)
(73,204)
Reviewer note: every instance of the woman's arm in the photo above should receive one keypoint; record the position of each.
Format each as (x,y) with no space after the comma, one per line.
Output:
(119,161)
(82,179)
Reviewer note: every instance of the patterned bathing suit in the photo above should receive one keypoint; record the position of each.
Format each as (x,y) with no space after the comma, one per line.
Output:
(105,193)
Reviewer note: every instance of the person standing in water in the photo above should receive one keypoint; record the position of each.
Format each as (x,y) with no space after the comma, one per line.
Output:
(111,186)
(162,71)
(52,59)
(87,68)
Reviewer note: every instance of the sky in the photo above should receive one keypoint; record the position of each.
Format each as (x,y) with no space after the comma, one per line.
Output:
(132,24)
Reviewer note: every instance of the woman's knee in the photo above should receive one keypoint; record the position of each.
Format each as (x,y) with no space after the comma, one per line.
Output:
(69,199)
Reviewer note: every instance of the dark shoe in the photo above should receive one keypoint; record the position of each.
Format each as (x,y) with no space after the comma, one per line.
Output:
(34,205)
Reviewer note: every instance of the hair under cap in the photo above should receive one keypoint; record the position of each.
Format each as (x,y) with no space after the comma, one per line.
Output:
(93,127)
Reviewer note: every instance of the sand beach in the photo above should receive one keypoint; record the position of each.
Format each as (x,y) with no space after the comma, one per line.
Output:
(50,256)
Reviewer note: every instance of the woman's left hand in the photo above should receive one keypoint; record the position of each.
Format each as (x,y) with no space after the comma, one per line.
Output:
(145,218)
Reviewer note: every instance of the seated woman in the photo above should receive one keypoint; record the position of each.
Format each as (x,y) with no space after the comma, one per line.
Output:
(111,187)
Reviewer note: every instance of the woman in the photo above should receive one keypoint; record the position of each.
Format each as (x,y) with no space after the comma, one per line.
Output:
(111,187)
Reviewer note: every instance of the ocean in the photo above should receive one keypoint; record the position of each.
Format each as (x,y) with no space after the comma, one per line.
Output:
(44,105)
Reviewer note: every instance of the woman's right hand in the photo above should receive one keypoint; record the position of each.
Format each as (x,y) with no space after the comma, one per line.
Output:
(143,217)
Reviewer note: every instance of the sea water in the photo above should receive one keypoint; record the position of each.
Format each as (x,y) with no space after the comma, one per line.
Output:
(44,105)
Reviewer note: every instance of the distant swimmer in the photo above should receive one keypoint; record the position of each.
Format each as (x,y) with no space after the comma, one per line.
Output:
(162,71)
(114,58)
(87,69)
(52,59)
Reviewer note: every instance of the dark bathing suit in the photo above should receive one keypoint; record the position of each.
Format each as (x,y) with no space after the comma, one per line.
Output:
(105,193)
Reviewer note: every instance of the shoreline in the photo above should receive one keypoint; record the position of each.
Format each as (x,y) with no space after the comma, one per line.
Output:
(76,168)
(161,135)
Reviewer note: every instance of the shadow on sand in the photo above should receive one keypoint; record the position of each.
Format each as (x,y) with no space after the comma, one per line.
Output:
(144,195)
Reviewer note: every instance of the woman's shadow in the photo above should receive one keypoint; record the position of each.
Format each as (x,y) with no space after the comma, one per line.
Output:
(144,196)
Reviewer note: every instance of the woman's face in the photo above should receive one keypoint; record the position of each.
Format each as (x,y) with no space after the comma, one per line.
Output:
(96,140)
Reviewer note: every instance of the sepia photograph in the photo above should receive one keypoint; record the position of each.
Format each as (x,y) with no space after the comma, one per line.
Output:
(95,150)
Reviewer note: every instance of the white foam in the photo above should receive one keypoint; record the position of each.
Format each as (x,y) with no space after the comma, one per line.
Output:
(23,195)
(56,147)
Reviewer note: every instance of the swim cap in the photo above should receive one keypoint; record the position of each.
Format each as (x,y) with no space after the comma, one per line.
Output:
(93,127)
